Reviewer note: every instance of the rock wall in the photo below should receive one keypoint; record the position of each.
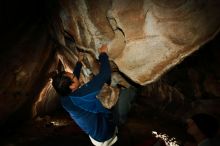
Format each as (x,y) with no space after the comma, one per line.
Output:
(146,37)
(190,87)
(26,56)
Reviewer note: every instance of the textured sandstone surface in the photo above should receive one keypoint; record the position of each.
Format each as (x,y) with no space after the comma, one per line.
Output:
(145,37)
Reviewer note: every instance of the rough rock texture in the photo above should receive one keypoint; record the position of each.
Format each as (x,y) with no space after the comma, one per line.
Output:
(21,67)
(146,37)
(26,56)
(190,87)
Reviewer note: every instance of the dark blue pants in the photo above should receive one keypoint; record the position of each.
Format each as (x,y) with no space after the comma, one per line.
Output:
(123,105)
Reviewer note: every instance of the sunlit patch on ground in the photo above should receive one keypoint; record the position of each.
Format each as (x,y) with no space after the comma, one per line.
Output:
(169,141)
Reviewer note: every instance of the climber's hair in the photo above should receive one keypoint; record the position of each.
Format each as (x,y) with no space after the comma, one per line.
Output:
(61,83)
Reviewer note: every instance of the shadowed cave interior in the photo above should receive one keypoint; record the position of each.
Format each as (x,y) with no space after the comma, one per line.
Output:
(28,42)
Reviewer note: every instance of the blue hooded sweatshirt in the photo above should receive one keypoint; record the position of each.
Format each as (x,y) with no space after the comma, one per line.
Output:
(85,109)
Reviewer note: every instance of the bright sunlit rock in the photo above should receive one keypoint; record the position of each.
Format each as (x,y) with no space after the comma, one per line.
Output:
(168,141)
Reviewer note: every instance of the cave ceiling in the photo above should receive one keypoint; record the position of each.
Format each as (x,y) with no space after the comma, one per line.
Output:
(145,37)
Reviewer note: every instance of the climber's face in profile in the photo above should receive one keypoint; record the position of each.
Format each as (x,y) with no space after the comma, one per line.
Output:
(75,82)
